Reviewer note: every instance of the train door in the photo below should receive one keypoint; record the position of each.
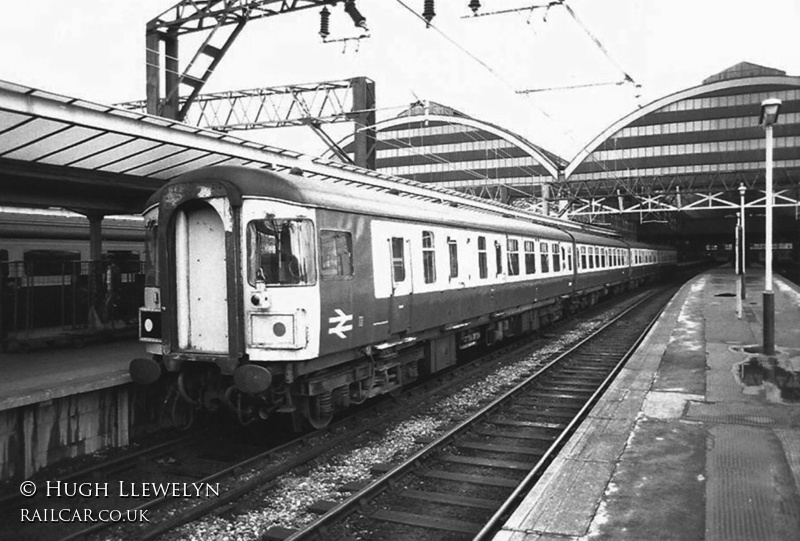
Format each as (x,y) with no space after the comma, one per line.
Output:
(400,298)
(200,270)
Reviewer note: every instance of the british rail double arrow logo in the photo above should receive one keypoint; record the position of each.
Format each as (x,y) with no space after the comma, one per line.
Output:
(342,323)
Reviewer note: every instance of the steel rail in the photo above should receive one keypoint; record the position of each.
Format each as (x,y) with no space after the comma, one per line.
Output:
(527,483)
(371,491)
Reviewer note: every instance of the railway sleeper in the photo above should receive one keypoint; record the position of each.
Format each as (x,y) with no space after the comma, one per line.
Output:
(428,522)
(547,414)
(496,448)
(487,462)
(480,480)
(547,402)
(451,499)
(527,436)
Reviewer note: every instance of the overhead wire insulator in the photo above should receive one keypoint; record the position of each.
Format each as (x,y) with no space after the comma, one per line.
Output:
(428,12)
(358,19)
(475,5)
(324,23)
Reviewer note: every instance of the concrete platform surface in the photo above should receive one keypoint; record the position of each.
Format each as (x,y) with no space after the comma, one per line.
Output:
(698,438)
(38,376)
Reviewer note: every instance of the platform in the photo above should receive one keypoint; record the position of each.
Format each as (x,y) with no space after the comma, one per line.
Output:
(41,375)
(64,403)
(694,440)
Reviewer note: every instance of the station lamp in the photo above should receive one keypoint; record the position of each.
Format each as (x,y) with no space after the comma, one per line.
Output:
(770,108)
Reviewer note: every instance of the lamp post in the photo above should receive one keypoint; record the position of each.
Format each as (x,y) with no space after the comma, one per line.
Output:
(769,115)
(738,274)
(742,190)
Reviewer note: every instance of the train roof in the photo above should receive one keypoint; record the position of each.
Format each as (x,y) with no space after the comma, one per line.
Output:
(323,191)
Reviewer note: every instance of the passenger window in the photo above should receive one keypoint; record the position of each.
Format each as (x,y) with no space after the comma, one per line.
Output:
(337,254)
(556,257)
(583,258)
(512,248)
(428,257)
(530,257)
(603,257)
(453,249)
(398,259)
(597,257)
(545,254)
(591,257)
(483,263)
(498,257)
(281,252)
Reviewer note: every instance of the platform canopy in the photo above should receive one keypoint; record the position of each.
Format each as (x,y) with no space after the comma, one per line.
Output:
(100,159)
(66,152)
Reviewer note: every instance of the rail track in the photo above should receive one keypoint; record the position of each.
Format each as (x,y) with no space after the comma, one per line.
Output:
(506,447)
(466,482)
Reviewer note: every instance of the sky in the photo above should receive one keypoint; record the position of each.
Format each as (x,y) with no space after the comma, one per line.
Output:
(94,50)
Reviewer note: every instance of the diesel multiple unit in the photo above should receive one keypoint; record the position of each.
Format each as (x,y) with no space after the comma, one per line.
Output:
(272,292)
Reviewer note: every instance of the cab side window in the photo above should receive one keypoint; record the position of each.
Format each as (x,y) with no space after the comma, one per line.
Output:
(336,256)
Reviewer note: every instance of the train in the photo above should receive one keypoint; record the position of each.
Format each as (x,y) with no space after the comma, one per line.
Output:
(50,291)
(280,292)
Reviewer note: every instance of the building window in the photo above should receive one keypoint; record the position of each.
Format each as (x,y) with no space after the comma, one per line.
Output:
(512,247)
(483,264)
(428,257)
(530,257)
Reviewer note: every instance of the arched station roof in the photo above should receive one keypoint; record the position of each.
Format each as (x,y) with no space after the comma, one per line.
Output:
(436,144)
(692,149)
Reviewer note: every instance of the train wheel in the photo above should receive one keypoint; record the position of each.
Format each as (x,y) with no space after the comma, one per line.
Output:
(318,410)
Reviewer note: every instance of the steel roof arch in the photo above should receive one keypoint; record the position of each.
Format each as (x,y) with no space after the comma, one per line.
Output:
(529,147)
(693,92)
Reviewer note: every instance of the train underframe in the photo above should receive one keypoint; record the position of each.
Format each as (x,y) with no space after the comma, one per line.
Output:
(312,399)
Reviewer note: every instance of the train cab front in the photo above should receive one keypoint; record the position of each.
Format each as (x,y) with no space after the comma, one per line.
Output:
(231,297)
